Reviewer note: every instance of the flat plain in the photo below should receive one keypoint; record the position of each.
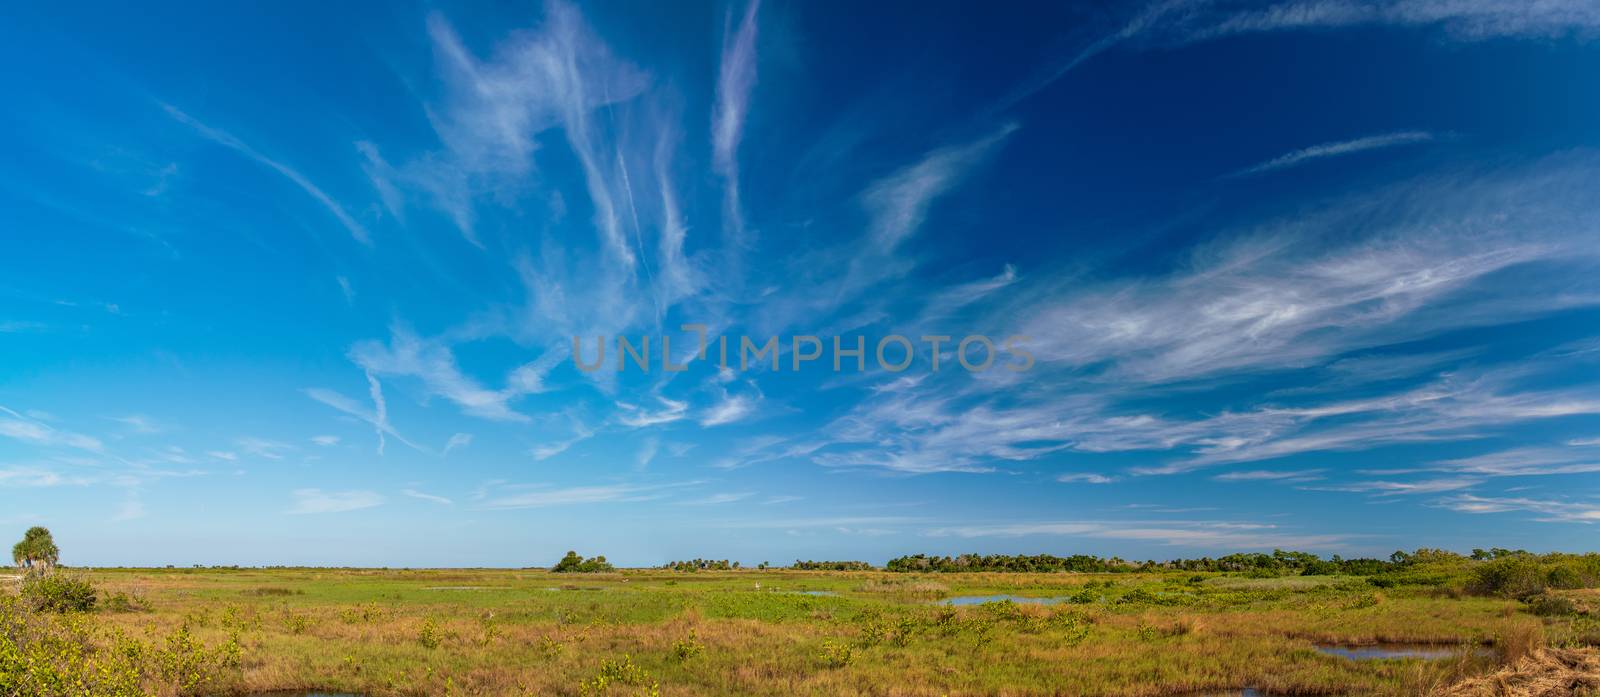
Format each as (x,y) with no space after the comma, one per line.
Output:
(221,631)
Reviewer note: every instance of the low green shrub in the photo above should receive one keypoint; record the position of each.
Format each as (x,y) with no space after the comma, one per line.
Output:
(58,593)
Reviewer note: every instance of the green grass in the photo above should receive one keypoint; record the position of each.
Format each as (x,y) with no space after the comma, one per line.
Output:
(515,632)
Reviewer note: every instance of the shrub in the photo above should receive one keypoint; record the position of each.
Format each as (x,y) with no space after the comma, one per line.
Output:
(1546,605)
(686,649)
(430,637)
(1516,576)
(272,591)
(575,562)
(58,593)
(622,672)
(123,602)
(296,624)
(837,654)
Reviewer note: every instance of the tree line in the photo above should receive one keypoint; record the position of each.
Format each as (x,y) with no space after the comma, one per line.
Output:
(1279,562)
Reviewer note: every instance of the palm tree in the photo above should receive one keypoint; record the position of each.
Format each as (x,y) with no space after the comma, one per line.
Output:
(37,551)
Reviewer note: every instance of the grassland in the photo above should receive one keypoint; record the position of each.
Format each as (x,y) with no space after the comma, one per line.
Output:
(781,632)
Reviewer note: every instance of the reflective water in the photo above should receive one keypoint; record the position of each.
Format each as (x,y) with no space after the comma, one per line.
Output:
(1019,599)
(1373,652)
(302,694)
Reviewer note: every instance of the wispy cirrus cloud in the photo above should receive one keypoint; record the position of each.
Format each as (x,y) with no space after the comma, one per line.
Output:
(1086,478)
(494,109)
(432,362)
(138,423)
(457,440)
(716,499)
(1193,534)
(1402,488)
(898,204)
(730,409)
(580,433)
(635,416)
(1524,462)
(377,416)
(33,476)
(16,426)
(1281,295)
(736,78)
(1335,149)
(1173,23)
(1269,475)
(1550,510)
(225,139)
(422,496)
(263,447)
(540,496)
(313,501)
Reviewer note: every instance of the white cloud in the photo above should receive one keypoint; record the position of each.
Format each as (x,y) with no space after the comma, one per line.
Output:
(899,203)
(223,138)
(1393,488)
(736,78)
(138,423)
(325,441)
(494,109)
(1194,534)
(262,447)
(1268,475)
(714,499)
(647,452)
(132,508)
(539,496)
(458,440)
(1086,478)
(382,176)
(427,497)
(732,408)
(378,416)
(318,501)
(1461,19)
(345,289)
(1284,297)
(1530,461)
(34,432)
(638,417)
(580,433)
(1552,510)
(21,476)
(433,362)
(1346,147)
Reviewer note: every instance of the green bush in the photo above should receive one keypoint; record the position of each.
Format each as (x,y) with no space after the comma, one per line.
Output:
(1518,576)
(58,593)
(1547,605)
(575,562)
(1525,575)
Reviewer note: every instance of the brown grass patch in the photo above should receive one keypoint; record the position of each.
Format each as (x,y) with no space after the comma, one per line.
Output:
(1543,673)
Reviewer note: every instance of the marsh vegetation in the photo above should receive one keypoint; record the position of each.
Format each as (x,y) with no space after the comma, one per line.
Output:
(231,631)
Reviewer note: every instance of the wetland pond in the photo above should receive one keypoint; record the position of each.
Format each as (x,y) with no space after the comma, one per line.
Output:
(1019,599)
(1389,651)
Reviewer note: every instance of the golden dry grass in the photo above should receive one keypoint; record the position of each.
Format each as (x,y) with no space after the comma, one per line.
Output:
(515,632)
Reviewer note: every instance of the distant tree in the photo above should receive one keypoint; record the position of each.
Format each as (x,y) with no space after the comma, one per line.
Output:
(575,563)
(37,551)
(571,562)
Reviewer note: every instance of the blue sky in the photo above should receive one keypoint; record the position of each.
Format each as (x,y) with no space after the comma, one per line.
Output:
(298,283)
